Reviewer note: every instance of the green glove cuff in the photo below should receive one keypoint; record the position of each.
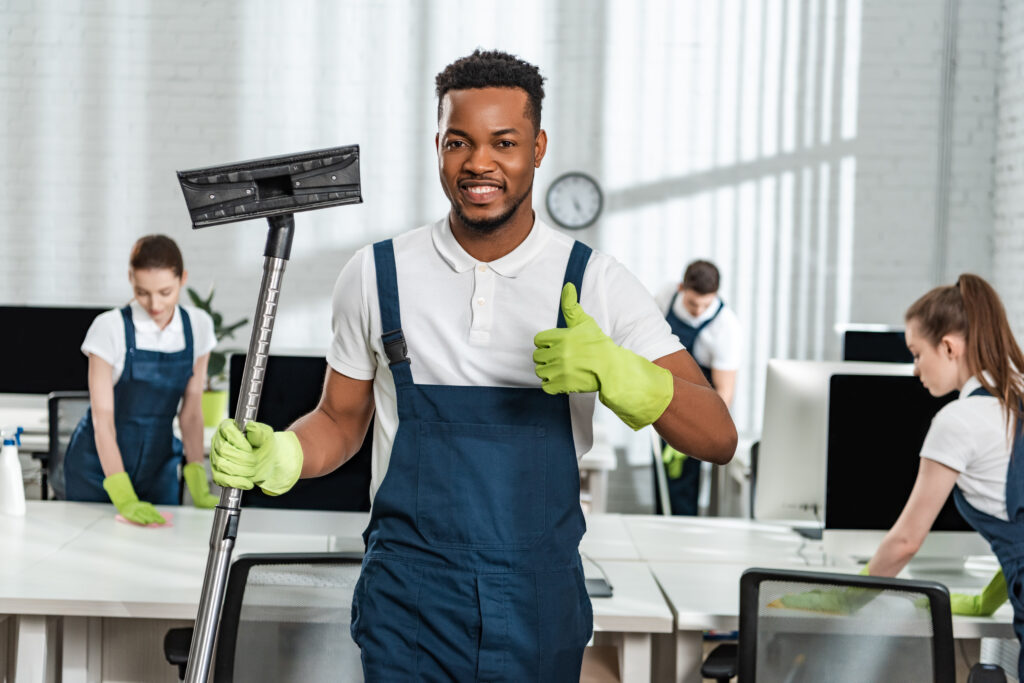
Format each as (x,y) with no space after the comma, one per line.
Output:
(635,389)
(280,468)
(984,605)
(198,486)
(119,488)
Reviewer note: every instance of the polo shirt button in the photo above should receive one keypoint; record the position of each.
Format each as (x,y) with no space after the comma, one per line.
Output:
(480,301)
(482,268)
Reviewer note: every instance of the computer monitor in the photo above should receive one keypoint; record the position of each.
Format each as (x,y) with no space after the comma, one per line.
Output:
(876,346)
(790,484)
(292,386)
(876,426)
(43,347)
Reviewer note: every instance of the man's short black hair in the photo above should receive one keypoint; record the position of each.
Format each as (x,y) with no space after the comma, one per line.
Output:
(493,69)
(701,277)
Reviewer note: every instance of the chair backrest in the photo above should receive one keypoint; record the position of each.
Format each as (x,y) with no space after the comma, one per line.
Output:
(66,409)
(286,617)
(816,626)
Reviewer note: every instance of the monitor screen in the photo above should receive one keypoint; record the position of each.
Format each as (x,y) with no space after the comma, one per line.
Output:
(876,346)
(47,342)
(876,426)
(291,388)
(790,479)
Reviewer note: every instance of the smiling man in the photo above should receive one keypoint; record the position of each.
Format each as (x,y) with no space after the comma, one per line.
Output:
(482,342)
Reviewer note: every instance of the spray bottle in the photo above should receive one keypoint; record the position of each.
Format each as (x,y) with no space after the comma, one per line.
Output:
(12,486)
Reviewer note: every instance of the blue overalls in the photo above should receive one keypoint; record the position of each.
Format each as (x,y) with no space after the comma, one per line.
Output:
(1006,538)
(146,399)
(683,490)
(472,570)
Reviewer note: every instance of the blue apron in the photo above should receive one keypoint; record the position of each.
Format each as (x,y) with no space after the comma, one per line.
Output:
(472,570)
(688,334)
(1006,538)
(683,491)
(146,399)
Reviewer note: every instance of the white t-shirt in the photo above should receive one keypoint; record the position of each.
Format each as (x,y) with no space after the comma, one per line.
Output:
(719,345)
(969,435)
(468,323)
(106,339)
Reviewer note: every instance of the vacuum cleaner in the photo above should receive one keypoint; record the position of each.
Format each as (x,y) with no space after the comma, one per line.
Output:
(274,188)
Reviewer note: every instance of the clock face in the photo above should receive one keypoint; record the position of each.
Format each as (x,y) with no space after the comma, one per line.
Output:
(574,200)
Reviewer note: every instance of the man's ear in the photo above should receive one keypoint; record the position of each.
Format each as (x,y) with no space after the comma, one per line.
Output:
(184,277)
(540,147)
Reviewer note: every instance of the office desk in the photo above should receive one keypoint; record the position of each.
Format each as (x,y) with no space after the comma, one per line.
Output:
(628,619)
(715,539)
(73,560)
(72,566)
(608,538)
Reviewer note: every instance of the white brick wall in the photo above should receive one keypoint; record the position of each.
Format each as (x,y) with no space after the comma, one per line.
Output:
(1009,167)
(793,141)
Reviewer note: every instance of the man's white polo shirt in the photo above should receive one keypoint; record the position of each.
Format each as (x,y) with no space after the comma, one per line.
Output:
(469,323)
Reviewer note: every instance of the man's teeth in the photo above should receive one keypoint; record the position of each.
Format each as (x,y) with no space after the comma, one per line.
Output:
(481,189)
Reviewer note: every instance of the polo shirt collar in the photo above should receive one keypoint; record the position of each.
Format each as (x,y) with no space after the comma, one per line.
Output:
(705,315)
(508,265)
(973,383)
(144,323)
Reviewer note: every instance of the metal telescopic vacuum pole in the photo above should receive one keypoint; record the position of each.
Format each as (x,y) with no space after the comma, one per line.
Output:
(226,517)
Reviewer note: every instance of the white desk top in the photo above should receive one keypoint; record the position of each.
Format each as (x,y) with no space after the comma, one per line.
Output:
(75,559)
(607,538)
(714,539)
(636,605)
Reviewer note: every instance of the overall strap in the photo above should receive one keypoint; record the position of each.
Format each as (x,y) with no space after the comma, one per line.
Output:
(186,326)
(129,328)
(390,318)
(578,258)
(700,328)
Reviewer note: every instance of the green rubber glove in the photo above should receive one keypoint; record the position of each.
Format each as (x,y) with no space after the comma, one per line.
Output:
(122,495)
(198,486)
(582,358)
(265,458)
(673,460)
(991,598)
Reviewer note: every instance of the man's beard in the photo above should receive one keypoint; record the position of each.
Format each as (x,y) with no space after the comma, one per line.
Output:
(489,225)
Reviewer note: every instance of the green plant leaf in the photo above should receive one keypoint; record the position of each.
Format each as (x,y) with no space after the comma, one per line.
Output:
(229,331)
(194,296)
(217,362)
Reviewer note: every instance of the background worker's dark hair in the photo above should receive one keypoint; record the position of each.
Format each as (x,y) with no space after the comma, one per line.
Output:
(701,277)
(156,251)
(972,308)
(493,69)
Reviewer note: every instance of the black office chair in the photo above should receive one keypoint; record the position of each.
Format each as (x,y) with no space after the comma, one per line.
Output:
(887,635)
(65,409)
(285,618)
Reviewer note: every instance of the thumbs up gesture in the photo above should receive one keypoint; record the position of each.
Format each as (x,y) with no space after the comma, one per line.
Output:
(582,358)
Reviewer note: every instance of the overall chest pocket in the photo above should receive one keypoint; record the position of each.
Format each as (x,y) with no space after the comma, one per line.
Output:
(481,486)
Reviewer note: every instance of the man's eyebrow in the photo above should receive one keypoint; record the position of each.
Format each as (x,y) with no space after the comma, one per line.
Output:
(494,134)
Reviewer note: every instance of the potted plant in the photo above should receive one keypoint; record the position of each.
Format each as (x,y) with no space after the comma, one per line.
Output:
(215,396)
